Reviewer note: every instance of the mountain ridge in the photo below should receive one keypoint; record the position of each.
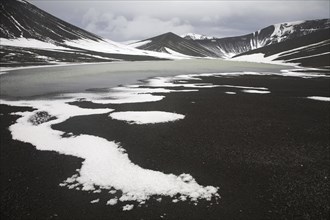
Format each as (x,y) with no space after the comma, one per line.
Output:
(31,36)
(230,47)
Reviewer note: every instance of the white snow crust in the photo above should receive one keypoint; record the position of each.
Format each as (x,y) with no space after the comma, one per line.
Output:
(319,98)
(255,91)
(146,117)
(31,43)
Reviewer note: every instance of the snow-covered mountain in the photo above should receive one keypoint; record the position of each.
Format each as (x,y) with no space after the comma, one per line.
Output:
(234,46)
(309,50)
(193,36)
(231,46)
(31,36)
(174,44)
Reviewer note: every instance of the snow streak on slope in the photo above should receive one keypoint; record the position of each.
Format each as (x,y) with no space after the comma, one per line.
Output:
(139,43)
(31,43)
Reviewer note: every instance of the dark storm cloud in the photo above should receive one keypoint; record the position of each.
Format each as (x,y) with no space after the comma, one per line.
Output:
(126,20)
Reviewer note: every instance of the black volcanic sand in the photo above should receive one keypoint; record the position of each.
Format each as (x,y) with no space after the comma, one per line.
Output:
(268,153)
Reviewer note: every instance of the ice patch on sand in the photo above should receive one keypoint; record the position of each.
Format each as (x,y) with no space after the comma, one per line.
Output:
(146,117)
(128,207)
(319,98)
(112,201)
(244,87)
(95,201)
(255,91)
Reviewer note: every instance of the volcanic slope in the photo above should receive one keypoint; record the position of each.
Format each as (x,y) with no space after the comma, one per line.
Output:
(273,34)
(312,50)
(307,41)
(31,36)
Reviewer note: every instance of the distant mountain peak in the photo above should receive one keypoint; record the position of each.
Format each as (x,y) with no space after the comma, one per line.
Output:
(193,36)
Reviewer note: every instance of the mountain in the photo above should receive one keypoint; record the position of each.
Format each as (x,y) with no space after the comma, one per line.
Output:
(297,34)
(174,44)
(273,34)
(31,36)
(309,50)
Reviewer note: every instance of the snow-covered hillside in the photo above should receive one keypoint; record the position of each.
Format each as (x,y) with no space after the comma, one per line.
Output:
(230,47)
(310,50)
(31,36)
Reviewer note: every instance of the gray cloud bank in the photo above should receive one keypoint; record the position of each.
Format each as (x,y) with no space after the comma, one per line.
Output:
(132,20)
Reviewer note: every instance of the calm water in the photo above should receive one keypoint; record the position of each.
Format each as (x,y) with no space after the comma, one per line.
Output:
(77,78)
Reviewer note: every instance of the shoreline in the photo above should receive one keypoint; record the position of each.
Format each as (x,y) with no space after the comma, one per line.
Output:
(35,82)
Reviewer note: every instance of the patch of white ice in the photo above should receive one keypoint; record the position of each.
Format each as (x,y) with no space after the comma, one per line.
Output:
(95,201)
(255,91)
(112,201)
(319,98)
(146,117)
(128,207)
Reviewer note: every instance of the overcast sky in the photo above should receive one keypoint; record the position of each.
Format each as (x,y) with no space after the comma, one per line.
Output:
(135,20)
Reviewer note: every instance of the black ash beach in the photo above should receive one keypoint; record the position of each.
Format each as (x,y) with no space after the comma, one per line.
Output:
(268,153)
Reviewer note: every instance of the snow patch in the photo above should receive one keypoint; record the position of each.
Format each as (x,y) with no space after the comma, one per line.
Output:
(194,36)
(296,73)
(173,52)
(260,58)
(112,201)
(31,43)
(95,201)
(319,98)
(140,43)
(146,117)
(128,207)
(255,91)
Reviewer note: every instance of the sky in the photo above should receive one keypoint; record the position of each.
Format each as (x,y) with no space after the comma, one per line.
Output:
(136,20)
